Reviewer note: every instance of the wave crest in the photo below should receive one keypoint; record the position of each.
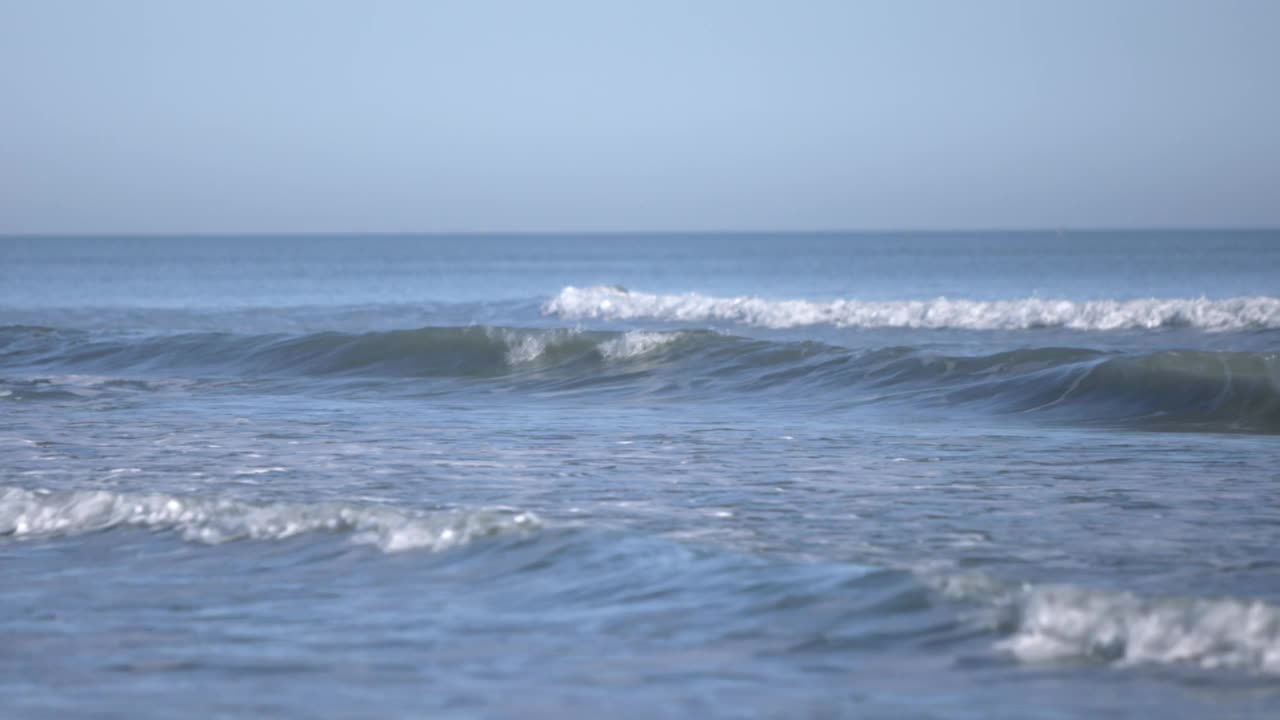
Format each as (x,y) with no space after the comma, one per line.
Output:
(612,303)
(1066,623)
(36,514)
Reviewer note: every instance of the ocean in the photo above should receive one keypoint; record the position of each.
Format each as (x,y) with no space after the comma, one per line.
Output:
(878,475)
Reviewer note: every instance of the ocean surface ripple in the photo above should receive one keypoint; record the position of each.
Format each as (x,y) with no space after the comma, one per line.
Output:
(970,476)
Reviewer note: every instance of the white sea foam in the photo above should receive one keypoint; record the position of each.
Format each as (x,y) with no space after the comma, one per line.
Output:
(611,303)
(524,347)
(1057,623)
(28,514)
(1064,622)
(635,344)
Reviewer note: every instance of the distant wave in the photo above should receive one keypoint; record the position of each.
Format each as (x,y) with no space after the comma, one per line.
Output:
(1192,390)
(31,514)
(612,303)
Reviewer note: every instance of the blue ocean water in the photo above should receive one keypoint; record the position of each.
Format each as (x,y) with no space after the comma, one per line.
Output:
(983,475)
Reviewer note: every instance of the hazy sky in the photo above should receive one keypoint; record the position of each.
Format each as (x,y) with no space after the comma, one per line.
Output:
(422,115)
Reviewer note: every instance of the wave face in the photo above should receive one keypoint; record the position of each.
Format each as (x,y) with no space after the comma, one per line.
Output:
(424,352)
(1223,391)
(617,304)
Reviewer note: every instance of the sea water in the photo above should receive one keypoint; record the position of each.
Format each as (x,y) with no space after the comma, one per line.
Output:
(983,475)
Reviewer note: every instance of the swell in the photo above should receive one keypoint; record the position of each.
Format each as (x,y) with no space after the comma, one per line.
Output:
(476,351)
(1176,390)
(1171,389)
(620,304)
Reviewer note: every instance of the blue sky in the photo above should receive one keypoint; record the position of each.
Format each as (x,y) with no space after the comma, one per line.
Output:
(582,115)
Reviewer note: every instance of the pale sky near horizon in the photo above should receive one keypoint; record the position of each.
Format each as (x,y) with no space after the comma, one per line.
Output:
(579,115)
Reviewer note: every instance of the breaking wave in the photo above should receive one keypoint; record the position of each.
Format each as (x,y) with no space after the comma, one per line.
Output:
(36,514)
(616,304)
(1063,623)
(1067,623)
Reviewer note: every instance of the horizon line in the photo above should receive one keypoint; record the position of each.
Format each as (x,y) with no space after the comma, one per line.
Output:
(1058,230)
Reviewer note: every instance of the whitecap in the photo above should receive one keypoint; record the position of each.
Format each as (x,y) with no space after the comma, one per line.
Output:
(27,514)
(1065,623)
(609,303)
(635,344)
